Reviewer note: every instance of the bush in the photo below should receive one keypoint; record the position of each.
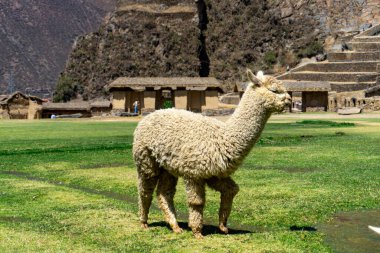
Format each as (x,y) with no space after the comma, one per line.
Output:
(168,104)
(66,89)
(270,58)
(288,58)
(311,50)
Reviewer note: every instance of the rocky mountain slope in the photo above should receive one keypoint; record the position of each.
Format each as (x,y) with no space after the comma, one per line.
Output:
(209,38)
(36,37)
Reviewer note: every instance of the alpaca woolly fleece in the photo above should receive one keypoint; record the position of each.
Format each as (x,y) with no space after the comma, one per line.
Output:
(202,150)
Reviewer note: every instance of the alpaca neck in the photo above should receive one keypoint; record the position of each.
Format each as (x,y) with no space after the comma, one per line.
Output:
(245,126)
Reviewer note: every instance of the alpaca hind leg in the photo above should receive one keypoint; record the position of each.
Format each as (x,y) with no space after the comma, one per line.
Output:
(228,189)
(146,188)
(165,193)
(195,190)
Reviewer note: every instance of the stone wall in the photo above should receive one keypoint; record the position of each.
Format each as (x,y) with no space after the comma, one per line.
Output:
(180,97)
(371,104)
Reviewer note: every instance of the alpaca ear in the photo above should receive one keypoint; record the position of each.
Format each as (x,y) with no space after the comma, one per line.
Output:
(254,79)
(260,76)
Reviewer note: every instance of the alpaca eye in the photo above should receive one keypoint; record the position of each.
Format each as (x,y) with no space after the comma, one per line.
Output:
(274,90)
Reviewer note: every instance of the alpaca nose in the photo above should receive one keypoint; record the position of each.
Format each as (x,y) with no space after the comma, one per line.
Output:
(288,99)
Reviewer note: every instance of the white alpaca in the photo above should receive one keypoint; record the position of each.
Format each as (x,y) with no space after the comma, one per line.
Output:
(175,143)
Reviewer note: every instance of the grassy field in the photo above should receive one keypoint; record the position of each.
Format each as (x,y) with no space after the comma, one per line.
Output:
(71,186)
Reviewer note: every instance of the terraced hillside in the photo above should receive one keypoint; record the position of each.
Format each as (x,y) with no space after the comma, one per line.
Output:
(207,38)
(346,70)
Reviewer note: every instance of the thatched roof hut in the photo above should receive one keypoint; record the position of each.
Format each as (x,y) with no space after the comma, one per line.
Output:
(190,93)
(20,106)
(157,83)
(86,108)
(82,107)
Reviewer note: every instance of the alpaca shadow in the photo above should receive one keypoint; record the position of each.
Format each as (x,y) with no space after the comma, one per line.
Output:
(207,229)
(303,228)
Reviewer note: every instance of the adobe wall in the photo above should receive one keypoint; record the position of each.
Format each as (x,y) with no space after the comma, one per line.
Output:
(4,113)
(180,99)
(149,100)
(211,100)
(118,100)
(34,110)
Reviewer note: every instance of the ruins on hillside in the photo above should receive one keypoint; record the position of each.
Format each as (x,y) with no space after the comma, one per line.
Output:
(350,77)
(195,94)
(20,106)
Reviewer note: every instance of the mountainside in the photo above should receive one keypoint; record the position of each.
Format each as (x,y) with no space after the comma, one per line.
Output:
(36,37)
(209,38)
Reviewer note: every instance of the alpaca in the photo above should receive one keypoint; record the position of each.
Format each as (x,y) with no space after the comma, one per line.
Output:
(175,143)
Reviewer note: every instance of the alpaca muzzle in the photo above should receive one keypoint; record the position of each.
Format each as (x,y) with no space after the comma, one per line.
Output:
(287,99)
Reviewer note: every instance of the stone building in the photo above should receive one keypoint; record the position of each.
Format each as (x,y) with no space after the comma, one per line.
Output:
(314,96)
(353,75)
(20,106)
(70,108)
(195,94)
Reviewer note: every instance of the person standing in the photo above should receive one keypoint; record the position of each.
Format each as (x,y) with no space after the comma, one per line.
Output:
(136,107)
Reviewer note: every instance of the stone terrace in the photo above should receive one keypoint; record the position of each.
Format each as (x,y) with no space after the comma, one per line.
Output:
(351,70)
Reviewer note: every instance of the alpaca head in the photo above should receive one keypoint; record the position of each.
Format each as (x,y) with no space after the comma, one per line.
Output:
(270,90)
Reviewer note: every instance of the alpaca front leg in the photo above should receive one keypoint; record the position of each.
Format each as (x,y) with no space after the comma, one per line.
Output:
(145,187)
(165,193)
(228,189)
(195,190)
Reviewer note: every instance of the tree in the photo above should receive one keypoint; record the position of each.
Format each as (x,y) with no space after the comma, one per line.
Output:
(66,89)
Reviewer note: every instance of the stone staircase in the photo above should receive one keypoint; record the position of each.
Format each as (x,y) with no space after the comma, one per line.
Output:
(353,70)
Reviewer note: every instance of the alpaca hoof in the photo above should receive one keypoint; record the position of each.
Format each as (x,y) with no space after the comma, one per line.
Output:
(198,235)
(223,228)
(144,225)
(177,230)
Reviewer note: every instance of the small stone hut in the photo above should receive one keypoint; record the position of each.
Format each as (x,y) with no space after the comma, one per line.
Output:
(66,109)
(20,106)
(315,95)
(190,93)
(86,108)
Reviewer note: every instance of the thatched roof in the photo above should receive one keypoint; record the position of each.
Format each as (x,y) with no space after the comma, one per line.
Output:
(141,83)
(4,99)
(302,86)
(34,98)
(67,106)
(101,104)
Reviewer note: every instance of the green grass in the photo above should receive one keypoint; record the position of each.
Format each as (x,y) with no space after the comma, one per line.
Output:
(71,186)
